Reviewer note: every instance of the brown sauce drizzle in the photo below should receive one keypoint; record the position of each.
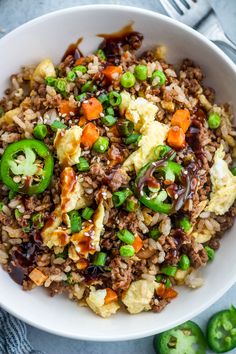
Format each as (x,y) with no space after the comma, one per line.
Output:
(114,44)
(73,50)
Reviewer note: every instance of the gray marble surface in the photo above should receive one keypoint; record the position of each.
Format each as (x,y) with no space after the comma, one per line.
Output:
(12,14)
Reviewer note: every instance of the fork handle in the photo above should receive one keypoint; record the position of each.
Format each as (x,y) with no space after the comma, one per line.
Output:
(212,29)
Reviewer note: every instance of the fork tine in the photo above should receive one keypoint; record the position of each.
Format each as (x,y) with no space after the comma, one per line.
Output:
(181,5)
(170,9)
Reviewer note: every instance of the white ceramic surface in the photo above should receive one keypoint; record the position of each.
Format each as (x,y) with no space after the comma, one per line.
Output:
(48,36)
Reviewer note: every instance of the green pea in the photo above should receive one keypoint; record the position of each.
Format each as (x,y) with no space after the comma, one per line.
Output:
(169,270)
(101,145)
(80,68)
(40,131)
(60,86)
(214,120)
(184,262)
(141,72)
(185,224)
(210,253)
(127,80)
(155,234)
(71,76)
(126,236)
(158,78)
(127,251)
(50,81)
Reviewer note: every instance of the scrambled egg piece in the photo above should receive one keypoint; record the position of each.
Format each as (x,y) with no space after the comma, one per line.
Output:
(7,118)
(82,240)
(223,182)
(180,276)
(139,111)
(96,301)
(79,291)
(52,234)
(138,297)
(72,193)
(154,134)
(67,145)
(202,236)
(44,69)
(98,225)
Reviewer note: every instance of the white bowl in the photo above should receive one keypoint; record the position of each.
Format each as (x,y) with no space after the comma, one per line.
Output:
(49,36)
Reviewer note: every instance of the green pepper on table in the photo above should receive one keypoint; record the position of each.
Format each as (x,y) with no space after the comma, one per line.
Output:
(221,331)
(27,166)
(184,339)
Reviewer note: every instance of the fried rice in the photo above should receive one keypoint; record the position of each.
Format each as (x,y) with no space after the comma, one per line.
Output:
(137,201)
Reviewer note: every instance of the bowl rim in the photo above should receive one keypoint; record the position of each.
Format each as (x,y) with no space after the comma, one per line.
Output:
(132,9)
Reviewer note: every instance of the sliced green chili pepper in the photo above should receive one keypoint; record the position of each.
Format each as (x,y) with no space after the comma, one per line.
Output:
(221,331)
(27,166)
(184,339)
(155,175)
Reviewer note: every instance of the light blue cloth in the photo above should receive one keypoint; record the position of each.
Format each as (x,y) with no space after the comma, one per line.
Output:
(13,336)
(13,339)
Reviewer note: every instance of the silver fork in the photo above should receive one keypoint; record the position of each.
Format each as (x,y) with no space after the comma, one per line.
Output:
(199,15)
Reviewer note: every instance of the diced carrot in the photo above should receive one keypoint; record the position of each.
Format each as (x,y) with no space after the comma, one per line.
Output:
(112,72)
(82,121)
(110,296)
(170,293)
(138,243)
(176,138)
(181,118)
(38,277)
(92,108)
(160,291)
(79,61)
(90,134)
(66,108)
(82,264)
